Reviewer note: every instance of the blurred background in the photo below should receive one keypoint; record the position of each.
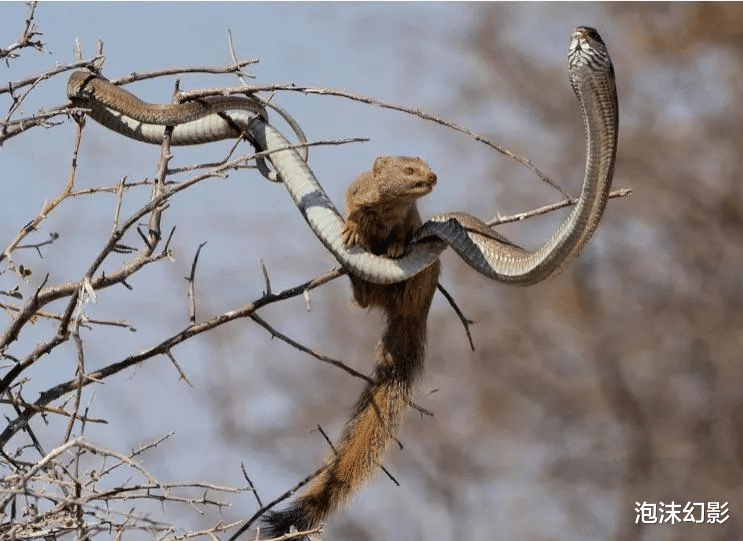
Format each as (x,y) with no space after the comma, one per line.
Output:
(616,383)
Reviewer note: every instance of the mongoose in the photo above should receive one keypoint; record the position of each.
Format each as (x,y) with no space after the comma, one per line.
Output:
(381,216)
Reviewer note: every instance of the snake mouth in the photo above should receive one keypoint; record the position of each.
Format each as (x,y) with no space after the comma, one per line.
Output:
(577,42)
(581,38)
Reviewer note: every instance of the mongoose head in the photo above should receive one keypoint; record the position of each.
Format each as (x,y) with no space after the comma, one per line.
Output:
(401,177)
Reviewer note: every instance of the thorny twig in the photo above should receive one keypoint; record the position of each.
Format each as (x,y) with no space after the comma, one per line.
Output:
(29,32)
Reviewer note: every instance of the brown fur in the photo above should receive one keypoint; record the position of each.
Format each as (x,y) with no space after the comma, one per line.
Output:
(381,216)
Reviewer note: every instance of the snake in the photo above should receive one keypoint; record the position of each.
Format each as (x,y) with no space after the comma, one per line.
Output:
(592,78)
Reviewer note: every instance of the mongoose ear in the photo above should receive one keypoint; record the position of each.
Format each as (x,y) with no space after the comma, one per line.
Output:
(380,163)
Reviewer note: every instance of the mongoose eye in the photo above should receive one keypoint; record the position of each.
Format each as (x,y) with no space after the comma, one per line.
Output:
(409,170)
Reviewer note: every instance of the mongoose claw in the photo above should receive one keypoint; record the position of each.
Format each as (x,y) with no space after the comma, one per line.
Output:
(350,235)
(395,250)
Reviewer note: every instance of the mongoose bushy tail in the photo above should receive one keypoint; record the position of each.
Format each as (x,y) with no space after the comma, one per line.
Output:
(381,216)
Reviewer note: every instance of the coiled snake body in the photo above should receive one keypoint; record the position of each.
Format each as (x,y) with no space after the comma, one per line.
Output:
(210,119)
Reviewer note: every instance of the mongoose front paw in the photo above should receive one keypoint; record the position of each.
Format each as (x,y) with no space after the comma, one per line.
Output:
(350,235)
(395,249)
